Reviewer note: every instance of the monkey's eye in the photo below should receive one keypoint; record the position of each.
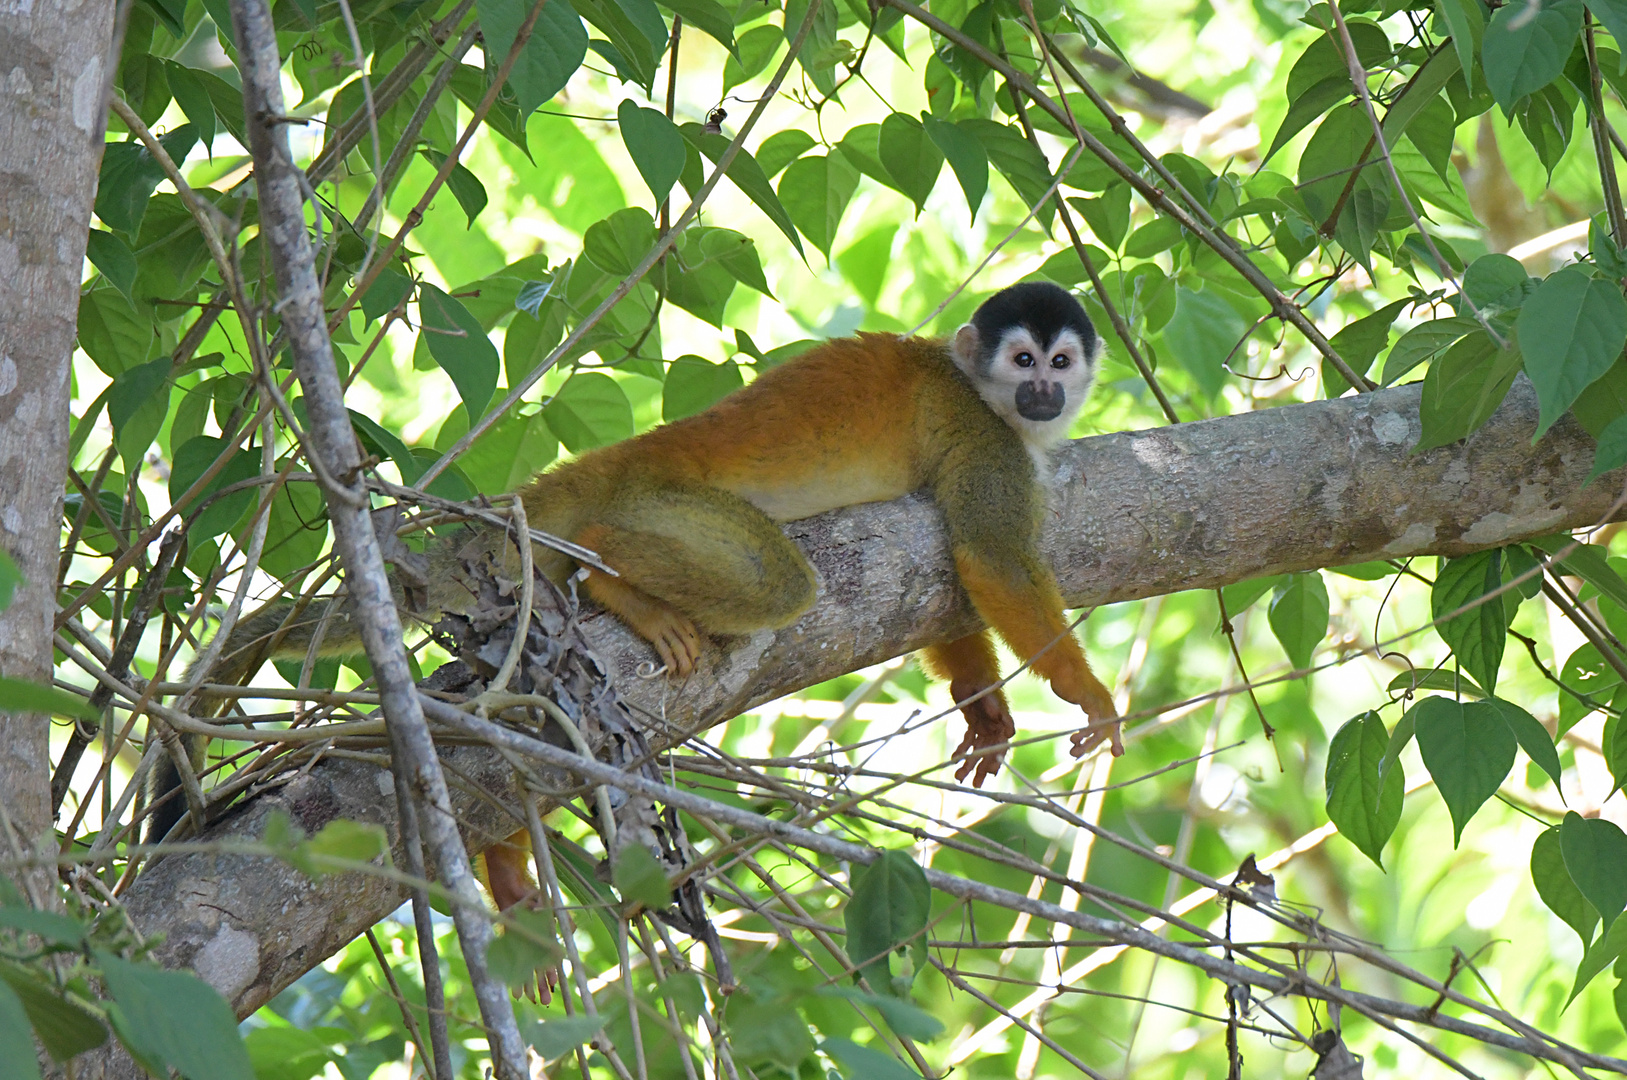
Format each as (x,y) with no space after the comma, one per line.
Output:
(1060,361)
(1025,359)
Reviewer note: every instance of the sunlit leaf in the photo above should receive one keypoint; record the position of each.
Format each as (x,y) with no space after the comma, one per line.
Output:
(1364,806)
(1468,749)
(1571,331)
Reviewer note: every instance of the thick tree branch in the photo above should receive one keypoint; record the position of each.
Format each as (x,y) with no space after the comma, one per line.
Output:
(1135,514)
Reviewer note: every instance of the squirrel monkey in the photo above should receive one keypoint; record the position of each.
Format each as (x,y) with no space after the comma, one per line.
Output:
(687,513)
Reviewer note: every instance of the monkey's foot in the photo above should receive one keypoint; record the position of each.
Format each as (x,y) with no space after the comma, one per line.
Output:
(674,636)
(1090,737)
(988,724)
(675,639)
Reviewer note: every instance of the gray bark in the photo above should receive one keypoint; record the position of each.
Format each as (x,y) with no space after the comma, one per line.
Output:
(53,58)
(1135,514)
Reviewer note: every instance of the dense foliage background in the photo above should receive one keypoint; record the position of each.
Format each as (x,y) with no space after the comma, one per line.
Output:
(1249,224)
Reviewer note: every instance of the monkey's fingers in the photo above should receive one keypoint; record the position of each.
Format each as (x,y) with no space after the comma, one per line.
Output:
(1091,737)
(985,765)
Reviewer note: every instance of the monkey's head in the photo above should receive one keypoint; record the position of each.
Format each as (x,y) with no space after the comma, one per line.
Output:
(1031,352)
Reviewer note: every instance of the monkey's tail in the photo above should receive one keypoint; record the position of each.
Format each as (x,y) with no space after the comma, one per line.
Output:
(274,632)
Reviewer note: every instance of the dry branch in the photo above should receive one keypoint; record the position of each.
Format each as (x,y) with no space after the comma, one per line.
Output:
(1135,514)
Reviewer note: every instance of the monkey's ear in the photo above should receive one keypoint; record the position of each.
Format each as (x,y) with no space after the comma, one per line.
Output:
(965,347)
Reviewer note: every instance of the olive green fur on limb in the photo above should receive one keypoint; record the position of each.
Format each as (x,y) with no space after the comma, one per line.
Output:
(1134,514)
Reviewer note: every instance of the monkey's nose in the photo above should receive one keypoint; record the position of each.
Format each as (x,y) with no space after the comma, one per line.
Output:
(1040,400)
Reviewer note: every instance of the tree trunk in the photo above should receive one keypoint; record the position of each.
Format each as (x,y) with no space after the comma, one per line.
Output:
(54,59)
(1135,514)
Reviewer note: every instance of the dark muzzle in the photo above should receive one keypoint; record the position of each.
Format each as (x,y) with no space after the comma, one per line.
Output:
(1040,400)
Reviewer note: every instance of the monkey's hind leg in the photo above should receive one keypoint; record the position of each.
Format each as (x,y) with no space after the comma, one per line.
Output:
(971,666)
(692,556)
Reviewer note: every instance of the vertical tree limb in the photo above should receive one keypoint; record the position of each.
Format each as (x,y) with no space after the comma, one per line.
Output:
(282,187)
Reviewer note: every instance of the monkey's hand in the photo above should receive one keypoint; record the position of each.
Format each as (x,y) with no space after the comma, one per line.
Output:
(511,887)
(1104,724)
(988,724)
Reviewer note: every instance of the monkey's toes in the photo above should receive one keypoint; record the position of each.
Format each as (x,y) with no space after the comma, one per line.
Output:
(1093,736)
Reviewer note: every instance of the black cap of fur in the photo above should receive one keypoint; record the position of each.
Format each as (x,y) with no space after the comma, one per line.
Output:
(1044,308)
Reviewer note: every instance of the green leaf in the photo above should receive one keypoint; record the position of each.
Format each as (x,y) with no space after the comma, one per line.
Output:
(1611,451)
(137,408)
(1359,343)
(655,145)
(556,48)
(1364,806)
(590,410)
(695,384)
(129,175)
(387,290)
(768,1030)
(747,175)
(10,578)
(1571,331)
(528,945)
(297,531)
(191,461)
(815,190)
(1424,341)
(113,257)
(619,242)
(1467,24)
(193,98)
(1613,14)
(342,841)
(754,49)
(1607,949)
(287,1053)
(1532,737)
(1586,561)
(1343,143)
(861,1061)
(1556,888)
(911,158)
(1448,682)
(1589,674)
(63,1028)
(888,910)
(1202,332)
(510,452)
(1477,636)
(176,1018)
(112,332)
(1546,119)
(783,147)
(965,155)
(1242,595)
(1526,46)
(386,444)
(1433,133)
(1468,749)
(1365,571)
(1308,105)
(1159,234)
(1016,159)
(459,346)
(1107,215)
(559,1036)
(641,880)
(905,1017)
(1299,616)
(16,1032)
(1595,853)
(18,697)
(1497,281)
(708,16)
(466,188)
(818,54)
